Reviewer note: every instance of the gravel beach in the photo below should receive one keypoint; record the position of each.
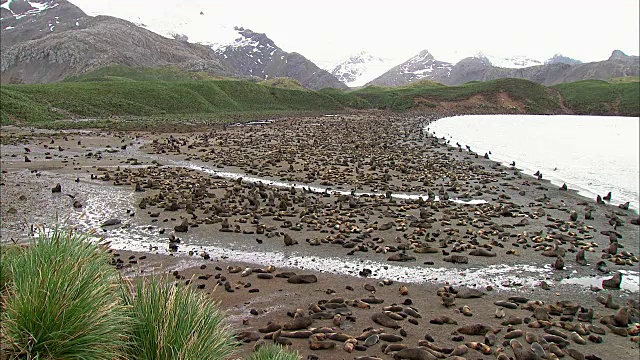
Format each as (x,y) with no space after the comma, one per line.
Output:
(354,236)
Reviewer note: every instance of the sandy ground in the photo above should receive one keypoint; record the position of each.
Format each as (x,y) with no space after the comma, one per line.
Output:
(515,223)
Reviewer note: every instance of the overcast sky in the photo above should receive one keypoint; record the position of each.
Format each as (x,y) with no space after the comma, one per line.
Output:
(328,31)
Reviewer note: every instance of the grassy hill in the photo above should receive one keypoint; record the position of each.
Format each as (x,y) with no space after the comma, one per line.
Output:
(347,99)
(126,73)
(173,96)
(535,98)
(619,97)
(283,83)
(213,99)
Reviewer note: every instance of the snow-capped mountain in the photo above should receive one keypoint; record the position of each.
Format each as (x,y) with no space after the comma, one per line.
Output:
(420,67)
(558,69)
(22,20)
(249,53)
(22,8)
(361,68)
(48,40)
(255,54)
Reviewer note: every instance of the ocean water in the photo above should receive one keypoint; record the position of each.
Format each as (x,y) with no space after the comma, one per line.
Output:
(591,154)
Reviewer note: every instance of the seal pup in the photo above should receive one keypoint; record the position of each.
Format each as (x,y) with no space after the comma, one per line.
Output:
(559,263)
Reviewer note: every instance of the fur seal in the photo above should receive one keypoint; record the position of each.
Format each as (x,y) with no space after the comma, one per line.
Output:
(384,320)
(613,282)
(580,258)
(476,329)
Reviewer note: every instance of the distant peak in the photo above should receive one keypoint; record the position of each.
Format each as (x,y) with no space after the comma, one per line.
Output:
(561,59)
(423,55)
(618,55)
(481,55)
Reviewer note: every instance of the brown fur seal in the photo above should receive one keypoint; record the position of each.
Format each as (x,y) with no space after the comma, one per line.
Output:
(476,329)
(384,320)
(614,282)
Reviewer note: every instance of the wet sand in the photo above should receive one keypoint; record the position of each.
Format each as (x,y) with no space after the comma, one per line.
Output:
(355,192)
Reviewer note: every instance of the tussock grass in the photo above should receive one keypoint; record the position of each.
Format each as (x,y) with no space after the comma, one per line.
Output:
(63,301)
(7,253)
(171,322)
(274,352)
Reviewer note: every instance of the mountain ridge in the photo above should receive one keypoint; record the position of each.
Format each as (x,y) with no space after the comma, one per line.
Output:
(255,54)
(48,40)
(55,39)
(558,69)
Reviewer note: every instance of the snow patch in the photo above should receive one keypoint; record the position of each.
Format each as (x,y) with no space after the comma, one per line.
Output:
(6,6)
(361,68)
(37,8)
(511,62)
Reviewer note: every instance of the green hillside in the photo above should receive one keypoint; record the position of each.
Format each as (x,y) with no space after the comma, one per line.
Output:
(126,73)
(283,82)
(171,95)
(601,97)
(535,97)
(101,99)
(347,98)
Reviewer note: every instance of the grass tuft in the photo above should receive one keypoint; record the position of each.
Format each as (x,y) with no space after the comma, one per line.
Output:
(63,301)
(171,322)
(274,352)
(7,253)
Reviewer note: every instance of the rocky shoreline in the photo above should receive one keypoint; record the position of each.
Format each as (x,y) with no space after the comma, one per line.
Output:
(368,195)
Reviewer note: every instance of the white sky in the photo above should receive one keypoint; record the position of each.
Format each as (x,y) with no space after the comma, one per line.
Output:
(328,31)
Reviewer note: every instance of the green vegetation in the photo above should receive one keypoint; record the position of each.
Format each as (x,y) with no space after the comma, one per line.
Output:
(126,73)
(17,106)
(171,322)
(34,103)
(536,98)
(7,253)
(273,352)
(601,97)
(283,83)
(170,98)
(346,98)
(625,79)
(62,300)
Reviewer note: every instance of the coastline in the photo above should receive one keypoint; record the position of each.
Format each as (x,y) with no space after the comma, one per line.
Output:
(584,189)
